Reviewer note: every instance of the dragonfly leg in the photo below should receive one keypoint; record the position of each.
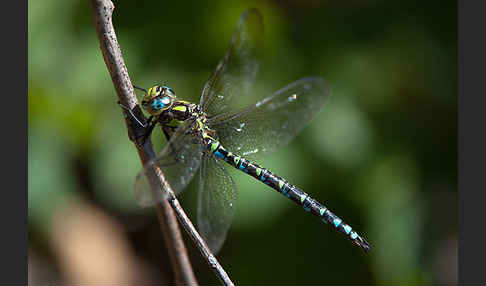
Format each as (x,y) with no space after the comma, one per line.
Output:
(133,115)
(166,134)
(149,127)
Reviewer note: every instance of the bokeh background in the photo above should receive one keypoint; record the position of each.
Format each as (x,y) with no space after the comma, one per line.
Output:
(382,153)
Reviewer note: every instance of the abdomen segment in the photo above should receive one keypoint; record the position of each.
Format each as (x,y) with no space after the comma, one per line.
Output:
(290,191)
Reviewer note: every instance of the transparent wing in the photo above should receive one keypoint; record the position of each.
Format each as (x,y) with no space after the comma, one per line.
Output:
(237,71)
(216,203)
(272,122)
(178,161)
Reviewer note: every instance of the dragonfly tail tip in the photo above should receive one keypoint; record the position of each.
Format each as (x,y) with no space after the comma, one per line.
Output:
(365,245)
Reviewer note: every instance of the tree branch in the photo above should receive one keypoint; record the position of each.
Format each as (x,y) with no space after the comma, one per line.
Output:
(102,12)
(184,275)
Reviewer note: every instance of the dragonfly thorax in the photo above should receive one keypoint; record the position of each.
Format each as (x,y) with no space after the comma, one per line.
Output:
(178,112)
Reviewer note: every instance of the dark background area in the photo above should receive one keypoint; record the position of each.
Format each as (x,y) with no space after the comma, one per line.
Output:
(382,154)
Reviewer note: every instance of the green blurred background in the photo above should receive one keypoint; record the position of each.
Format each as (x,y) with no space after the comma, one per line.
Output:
(382,154)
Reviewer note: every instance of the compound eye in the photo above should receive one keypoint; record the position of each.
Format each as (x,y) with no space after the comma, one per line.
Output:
(161,103)
(170,92)
(165,100)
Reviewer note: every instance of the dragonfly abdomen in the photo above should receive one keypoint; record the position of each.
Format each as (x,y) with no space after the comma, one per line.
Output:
(290,191)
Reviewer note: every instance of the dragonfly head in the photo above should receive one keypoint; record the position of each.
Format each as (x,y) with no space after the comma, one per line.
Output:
(158,99)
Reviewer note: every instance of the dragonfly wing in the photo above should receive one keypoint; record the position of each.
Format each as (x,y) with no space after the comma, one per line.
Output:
(216,203)
(237,71)
(272,122)
(178,162)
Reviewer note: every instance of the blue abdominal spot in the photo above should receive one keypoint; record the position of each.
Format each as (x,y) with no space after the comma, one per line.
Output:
(347,229)
(243,168)
(337,222)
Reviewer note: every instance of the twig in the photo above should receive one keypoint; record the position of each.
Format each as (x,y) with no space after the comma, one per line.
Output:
(102,12)
(199,241)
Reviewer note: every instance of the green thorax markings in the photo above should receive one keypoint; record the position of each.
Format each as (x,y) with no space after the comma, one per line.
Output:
(160,101)
(206,132)
(181,108)
(179,111)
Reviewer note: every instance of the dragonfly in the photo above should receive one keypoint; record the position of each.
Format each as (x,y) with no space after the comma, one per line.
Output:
(218,133)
